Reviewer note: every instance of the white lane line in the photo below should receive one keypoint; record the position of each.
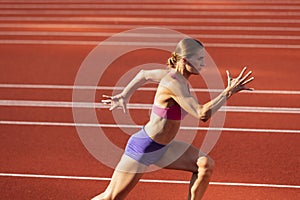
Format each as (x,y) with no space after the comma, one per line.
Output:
(269,46)
(147,180)
(86,87)
(145,35)
(238,2)
(150,6)
(177,27)
(187,128)
(115,12)
(148,19)
(143,44)
(65,104)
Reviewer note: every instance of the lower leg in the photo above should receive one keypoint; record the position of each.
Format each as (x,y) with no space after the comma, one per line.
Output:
(104,195)
(101,196)
(192,182)
(200,180)
(120,186)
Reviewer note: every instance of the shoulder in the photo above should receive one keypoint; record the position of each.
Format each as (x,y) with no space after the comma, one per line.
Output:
(171,78)
(175,85)
(155,74)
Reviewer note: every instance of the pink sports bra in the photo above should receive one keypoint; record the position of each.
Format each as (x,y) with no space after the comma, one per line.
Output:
(173,113)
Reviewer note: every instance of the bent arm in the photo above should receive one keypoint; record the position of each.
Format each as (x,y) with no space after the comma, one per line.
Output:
(181,95)
(208,109)
(192,106)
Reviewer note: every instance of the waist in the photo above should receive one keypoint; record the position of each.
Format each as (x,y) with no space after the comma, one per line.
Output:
(174,112)
(162,132)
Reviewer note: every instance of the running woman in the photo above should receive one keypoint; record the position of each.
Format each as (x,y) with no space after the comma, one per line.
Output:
(154,143)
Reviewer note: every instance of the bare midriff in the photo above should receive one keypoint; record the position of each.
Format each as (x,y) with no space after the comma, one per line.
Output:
(162,130)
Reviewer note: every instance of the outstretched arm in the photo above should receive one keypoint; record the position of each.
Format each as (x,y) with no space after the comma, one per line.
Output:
(234,86)
(204,112)
(120,100)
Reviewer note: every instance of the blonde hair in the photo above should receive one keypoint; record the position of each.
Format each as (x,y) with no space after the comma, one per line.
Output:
(184,49)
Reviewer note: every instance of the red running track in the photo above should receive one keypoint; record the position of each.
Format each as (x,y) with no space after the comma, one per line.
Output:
(257,154)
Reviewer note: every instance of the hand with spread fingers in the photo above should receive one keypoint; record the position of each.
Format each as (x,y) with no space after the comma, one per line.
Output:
(116,101)
(238,84)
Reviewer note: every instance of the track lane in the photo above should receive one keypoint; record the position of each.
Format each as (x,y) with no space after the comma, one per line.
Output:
(255,170)
(280,121)
(62,67)
(146,97)
(88,189)
(58,150)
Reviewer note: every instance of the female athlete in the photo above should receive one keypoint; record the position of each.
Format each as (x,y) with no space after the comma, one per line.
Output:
(154,144)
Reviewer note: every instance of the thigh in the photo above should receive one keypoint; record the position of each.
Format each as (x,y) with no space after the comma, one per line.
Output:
(181,156)
(125,177)
(130,165)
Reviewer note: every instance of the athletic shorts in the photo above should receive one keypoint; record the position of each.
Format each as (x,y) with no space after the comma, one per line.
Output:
(143,149)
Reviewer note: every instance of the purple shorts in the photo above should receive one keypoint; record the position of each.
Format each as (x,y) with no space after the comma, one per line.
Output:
(143,149)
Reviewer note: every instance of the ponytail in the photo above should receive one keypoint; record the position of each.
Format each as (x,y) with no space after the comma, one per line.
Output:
(172,61)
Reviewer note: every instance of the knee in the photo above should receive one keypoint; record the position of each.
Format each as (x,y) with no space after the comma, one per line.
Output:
(205,167)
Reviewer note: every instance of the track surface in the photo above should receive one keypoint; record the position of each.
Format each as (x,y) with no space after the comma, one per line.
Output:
(44,43)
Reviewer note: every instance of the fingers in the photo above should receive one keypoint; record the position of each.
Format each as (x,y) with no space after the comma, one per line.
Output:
(242,78)
(238,84)
(107,101)
(242,73)
(245,77)
(247,81)
(229,78)
(249,89)
(106,96)
(124,108)
(114,102)
(112,107)
(228,74)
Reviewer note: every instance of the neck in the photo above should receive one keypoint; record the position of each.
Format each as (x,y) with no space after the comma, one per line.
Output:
(184,74)
(182,70)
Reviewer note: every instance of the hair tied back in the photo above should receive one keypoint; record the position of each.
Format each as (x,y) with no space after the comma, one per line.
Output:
(173,60)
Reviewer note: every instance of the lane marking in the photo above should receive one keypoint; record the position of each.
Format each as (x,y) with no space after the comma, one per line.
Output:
(177,27)
(149,6)
(71,87)
(187,128)
(147,180)
(107,34)
(268,2)
(149,19)
(94,43)
(151,13)
(64,104)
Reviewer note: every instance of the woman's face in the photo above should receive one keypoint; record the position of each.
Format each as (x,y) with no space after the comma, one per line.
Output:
(195,63)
